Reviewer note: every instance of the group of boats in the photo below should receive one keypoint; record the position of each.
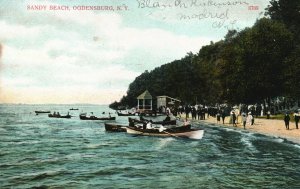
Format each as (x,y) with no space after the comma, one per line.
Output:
(92,117)
(142,126)
(165,128)
(82,116)
(48,112)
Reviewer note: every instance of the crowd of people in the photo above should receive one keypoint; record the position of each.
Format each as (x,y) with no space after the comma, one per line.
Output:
(248,118)
(245,118)
(247,115)
(197,112)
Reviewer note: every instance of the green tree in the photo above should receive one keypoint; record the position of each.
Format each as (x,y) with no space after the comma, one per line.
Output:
(287,11)
(253,62)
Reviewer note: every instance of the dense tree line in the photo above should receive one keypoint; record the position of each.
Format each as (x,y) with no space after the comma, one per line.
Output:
(254,65)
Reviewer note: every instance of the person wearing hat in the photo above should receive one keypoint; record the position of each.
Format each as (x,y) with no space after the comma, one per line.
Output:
(149,125)
(223,115)
(296,117)
(233,119)
(250,119)
(287,121)
(218,117)
(244,119)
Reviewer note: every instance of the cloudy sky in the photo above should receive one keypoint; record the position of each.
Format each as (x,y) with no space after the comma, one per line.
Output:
(91,56)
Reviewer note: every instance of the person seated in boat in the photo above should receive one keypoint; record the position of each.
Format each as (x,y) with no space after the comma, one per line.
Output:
(58,114)
(168,110)
(149,125)
(92,116)
(161,128)
(54,113)
(186,123)
(167,118)
(131,123)
(144,125)
(109,115)
(142,118)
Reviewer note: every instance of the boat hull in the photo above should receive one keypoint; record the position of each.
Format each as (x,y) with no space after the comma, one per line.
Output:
(112,127)
(121,114)
(97,118)
(42,112)
(55,116)
(191,133)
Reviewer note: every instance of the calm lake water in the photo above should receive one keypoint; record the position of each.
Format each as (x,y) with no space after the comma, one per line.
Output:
(37,151)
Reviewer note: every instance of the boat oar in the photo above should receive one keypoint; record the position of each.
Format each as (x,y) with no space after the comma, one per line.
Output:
(171,134)
(194,136)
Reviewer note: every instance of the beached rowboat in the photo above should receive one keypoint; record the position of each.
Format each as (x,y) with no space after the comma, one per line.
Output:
(83,117)
(125,114)
(191,133)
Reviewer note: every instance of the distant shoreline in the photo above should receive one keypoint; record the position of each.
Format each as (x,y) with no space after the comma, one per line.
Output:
(51,104)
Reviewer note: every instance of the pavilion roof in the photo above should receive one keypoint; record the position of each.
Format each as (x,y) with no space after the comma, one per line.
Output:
(145,95)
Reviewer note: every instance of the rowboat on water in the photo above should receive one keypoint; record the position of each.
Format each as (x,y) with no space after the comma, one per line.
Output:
(74,109)
(125,114)
(113,127)
(84,117)
(59,116)
(42,112)
(178,133)
(169,131)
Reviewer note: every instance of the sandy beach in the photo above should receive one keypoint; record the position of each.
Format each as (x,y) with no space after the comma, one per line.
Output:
(270,127)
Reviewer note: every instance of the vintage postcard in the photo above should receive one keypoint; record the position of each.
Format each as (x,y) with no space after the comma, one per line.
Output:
(149,93)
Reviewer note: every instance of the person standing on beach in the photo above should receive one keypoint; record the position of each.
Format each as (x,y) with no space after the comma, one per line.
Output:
(202,114)
(287,121)
(250,119)
(296,117)
(268,114)
(194,113)
(233,119)
(218,117)
(199,113)
(244,119)
(187,111)
(223,116)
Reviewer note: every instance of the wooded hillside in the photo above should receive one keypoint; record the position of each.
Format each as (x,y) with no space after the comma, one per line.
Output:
(254,65)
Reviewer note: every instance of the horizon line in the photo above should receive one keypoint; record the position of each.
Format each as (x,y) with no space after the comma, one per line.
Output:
(50,104)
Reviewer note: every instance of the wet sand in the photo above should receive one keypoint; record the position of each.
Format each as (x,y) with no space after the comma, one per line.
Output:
(268,127)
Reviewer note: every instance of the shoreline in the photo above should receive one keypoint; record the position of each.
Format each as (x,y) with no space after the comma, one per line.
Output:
(268,127)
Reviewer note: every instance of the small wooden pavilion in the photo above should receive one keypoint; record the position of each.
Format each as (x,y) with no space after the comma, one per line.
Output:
(166,101)
(144,101)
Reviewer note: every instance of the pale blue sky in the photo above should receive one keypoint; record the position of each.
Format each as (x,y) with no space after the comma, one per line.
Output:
(76,56)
